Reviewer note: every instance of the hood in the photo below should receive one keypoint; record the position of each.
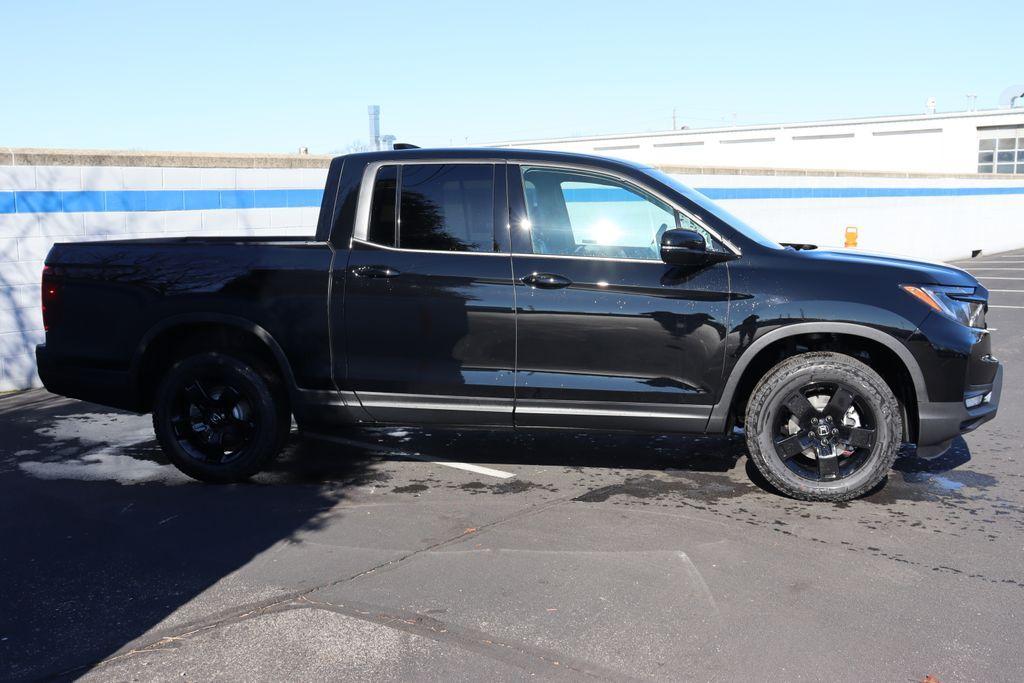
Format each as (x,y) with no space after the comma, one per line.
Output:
(910,271)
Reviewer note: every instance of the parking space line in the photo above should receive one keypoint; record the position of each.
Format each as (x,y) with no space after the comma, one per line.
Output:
(477,469)
(1014,269)
(1016,291)
(994,277)
(383,449)
(997,306)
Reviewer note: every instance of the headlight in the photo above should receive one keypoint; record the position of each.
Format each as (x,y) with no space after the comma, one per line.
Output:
(959,303)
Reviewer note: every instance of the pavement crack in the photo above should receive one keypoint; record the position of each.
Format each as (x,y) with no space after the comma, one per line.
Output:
(159,641)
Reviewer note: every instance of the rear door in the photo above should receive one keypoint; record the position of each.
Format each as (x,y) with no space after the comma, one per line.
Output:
(429,317)
(610,336)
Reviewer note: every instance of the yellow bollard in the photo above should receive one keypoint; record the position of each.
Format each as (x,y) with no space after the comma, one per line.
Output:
(851,236)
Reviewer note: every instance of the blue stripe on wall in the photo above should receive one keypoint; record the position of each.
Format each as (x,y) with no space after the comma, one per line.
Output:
(177,200)
(91,201)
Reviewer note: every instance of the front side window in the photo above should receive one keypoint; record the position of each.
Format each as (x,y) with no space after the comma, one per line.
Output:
(574,213)
(446,207)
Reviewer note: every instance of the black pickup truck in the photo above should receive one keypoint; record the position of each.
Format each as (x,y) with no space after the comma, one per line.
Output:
(506,288)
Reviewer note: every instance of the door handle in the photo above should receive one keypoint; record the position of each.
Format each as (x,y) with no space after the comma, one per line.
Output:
(546,281)
(375,271)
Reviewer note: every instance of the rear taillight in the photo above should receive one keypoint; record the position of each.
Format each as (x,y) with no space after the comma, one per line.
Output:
(49,297)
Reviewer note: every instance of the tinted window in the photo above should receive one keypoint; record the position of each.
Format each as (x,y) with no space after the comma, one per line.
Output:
(447,207)
(382,207)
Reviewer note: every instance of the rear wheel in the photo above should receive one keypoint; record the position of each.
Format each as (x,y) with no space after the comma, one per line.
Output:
(217,418)
(823,426)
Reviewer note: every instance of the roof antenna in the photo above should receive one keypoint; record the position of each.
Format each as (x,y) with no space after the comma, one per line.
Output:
(405,145)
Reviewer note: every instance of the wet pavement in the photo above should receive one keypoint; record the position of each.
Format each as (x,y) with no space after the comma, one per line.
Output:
(566,556)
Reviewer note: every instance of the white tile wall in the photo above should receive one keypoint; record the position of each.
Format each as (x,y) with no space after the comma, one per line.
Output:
(58,177)
(105,224)
(190,222)
(217,178)
(139,222)
(17,319)
(8,250)
(21,273)
(22,342)
(17,177)
(251,178)
(184,178)
(61,224)
(20,296)
(32,248)
(19,225)
(254,218)
(143,178)
(102,178)
(285,217)
(18,372)
(220,220)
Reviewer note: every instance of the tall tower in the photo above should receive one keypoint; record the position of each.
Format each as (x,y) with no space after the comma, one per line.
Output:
(374,111)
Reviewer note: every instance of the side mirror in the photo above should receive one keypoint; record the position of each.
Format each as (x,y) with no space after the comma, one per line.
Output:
(682,247)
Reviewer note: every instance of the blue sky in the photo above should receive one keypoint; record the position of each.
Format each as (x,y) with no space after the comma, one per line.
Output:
(271,76)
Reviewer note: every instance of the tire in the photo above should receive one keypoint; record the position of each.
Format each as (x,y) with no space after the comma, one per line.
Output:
(793,406)
(219,418)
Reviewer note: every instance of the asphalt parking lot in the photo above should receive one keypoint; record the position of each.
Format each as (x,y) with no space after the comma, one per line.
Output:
(410,554)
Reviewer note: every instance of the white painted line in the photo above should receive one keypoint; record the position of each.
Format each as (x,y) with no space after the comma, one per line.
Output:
(1015,291)
(993,277)
(994,306)
(487,471)
(384,449)
(973,269)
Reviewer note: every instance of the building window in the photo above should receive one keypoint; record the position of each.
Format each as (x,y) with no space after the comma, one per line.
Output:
(1002,154)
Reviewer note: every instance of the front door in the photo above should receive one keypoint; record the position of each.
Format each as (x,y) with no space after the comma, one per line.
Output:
(609,336)
(429,318)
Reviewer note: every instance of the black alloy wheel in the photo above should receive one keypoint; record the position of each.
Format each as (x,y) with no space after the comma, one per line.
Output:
(825,431)
(220,418)
(213,419)
(823,426)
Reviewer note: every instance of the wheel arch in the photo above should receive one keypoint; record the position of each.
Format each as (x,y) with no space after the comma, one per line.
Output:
(155,341)
(764,348)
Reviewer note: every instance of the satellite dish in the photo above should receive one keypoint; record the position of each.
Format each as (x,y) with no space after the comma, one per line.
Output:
(1012,95)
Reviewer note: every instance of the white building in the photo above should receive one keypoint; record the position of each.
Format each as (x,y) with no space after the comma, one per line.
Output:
(984,142)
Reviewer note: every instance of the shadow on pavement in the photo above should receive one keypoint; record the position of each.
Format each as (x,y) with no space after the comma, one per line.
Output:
(87,566)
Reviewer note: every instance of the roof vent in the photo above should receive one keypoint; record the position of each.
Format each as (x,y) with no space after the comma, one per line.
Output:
(1012,95)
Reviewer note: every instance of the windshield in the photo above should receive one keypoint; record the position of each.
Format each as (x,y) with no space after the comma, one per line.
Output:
(713,209)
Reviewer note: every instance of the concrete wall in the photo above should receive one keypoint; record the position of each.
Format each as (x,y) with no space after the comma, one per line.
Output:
(48,196)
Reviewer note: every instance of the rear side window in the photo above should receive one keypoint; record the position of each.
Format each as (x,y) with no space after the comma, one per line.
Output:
(382,207)
(447,207)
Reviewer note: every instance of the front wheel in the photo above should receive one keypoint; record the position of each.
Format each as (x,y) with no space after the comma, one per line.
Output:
(217,418)
(823,426)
